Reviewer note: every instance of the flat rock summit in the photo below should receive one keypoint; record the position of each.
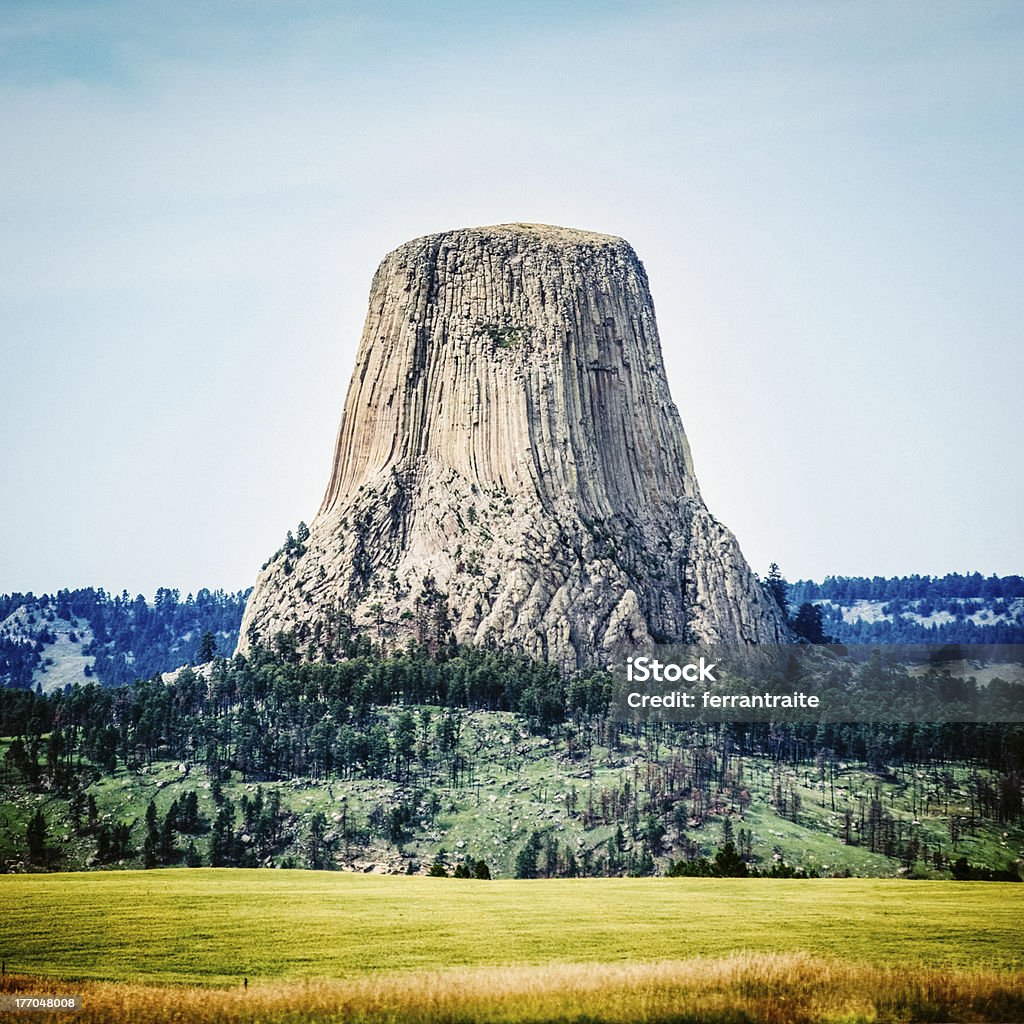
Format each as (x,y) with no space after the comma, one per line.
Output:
(511,469)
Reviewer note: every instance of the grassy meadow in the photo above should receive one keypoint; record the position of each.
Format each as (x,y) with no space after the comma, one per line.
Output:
(325,946)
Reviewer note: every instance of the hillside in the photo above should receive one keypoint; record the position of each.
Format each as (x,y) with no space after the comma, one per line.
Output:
(399,764)
(955,608)
(75,636)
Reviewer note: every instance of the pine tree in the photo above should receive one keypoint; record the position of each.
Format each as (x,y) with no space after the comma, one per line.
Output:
(644,864)
(207,648)
(317,829)
(808,624)
(222,837)
(168,852)
(728,863)
(36,836)
(151,844)
(778,588)
(526,859)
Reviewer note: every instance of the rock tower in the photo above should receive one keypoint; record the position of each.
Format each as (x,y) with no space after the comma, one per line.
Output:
(510,468)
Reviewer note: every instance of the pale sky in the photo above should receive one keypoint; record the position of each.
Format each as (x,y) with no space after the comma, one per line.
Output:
(828,198)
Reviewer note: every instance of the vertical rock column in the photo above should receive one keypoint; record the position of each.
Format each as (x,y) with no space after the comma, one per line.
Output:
(510,467)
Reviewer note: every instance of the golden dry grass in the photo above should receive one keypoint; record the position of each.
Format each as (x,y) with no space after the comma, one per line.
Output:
(752,988)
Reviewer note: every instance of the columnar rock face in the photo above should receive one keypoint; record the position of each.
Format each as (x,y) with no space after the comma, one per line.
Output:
(510,467)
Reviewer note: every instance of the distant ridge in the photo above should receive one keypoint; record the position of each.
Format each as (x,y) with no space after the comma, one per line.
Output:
(88,635)
(955,608)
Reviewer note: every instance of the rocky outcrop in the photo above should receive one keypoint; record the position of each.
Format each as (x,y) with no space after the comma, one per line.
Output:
(510,467)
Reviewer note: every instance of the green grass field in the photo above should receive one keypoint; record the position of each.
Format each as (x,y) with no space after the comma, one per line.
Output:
(212,927)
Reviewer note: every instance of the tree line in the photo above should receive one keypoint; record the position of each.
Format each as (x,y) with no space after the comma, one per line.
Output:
(846,589)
